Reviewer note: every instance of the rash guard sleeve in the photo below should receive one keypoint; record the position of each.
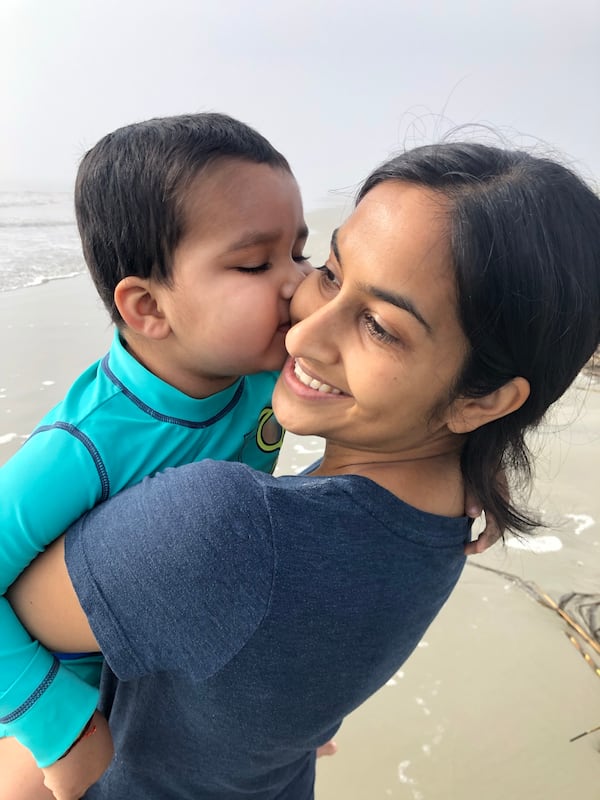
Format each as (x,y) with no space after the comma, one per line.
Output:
(54,478)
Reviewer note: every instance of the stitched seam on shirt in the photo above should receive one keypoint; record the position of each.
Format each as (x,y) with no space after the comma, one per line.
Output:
(90,599)
(273,562)
(269,598)
(186,423)
(267,605)
(33,697)
(90,447)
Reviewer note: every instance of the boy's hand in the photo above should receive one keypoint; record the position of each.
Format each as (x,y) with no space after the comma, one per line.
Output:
(327,749)
(72,775)
(486,538)
(491,532)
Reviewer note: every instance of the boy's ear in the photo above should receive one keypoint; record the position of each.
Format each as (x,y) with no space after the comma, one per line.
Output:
(469,413)
(138,304)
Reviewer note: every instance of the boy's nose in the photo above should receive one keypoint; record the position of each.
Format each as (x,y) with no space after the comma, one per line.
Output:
(295,274)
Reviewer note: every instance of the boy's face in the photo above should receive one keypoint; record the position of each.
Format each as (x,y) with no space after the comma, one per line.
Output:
(234,274)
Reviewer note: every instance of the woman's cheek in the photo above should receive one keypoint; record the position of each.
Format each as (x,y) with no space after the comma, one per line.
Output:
(304,300)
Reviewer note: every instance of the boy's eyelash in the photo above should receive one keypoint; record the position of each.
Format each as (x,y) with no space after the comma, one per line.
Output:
(264,267)
(257,269)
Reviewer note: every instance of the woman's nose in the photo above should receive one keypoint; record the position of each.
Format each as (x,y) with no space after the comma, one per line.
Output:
(314,336)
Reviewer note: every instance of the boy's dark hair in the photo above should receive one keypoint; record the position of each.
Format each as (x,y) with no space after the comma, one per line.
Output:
(131,188)
(525,242)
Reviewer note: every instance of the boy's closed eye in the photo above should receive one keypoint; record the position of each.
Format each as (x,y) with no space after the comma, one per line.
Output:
(254,270)
(264,267)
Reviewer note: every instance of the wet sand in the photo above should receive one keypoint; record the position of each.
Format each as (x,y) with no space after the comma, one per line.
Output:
(487,704)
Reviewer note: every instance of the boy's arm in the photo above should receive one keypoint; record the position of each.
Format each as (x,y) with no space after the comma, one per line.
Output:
(45,601)
(84,764)
(49,482)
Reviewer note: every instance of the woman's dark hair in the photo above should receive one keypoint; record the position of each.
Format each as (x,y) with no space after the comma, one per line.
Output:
(132,186)
(525,243)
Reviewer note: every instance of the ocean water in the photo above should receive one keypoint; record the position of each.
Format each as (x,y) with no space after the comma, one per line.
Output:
(38,239)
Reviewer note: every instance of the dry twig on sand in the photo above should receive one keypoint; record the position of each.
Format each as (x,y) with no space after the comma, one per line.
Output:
(580,611)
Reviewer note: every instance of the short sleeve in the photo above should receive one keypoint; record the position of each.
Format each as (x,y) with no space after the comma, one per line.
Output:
(175,573)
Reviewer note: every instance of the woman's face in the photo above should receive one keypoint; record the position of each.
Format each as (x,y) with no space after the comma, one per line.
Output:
(378,345)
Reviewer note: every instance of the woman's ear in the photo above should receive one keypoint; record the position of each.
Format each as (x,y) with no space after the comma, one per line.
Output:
(138,303)
(469,413)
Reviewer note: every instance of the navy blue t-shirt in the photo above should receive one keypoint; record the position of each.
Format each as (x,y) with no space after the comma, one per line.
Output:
(243,616)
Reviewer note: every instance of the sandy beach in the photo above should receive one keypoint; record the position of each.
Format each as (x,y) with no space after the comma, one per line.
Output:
(487,704)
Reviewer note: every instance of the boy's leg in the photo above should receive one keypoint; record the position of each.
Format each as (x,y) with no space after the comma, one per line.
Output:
(20,777)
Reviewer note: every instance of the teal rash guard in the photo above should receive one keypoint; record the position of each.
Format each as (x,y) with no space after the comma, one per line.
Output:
(118,424)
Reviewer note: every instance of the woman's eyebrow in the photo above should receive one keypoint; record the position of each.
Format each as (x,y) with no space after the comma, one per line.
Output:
(334,246)
(398,300)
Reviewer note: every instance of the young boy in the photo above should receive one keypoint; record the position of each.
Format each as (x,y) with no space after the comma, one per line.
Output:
(193,230)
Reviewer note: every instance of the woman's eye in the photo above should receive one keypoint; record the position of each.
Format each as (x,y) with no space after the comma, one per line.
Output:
(300,259)
(327,276)
(254,270)
(377,331)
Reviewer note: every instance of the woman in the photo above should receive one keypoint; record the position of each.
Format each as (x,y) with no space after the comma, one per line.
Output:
(243,616)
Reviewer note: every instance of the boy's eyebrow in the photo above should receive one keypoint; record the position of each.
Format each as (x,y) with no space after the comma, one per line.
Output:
(252,238)
(398,300)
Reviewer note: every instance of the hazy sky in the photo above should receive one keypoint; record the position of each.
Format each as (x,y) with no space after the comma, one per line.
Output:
(335,85)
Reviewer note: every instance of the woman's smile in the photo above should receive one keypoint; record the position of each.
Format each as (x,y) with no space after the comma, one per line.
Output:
(307,384)
(314,383)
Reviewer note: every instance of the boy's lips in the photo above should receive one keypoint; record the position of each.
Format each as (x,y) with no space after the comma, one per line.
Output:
(312,382)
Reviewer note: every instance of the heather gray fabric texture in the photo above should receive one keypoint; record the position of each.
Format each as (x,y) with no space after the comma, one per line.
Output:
(243,616)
